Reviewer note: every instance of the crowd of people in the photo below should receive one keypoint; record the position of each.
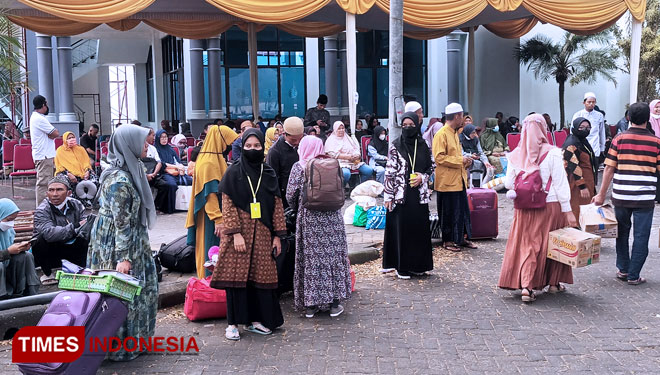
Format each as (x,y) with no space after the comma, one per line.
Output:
(243,205)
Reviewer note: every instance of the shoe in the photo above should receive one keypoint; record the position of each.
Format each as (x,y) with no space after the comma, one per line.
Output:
(231,333)
(336,310)
(311,311)
(418,273)
(640,280)
(387,270)
(402,275)
(259,328)
(528,295)
(621,276)
(554,289)
(48,280)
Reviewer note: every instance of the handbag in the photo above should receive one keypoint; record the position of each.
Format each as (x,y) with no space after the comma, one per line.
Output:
(174,171)
(530,193)
(203,301)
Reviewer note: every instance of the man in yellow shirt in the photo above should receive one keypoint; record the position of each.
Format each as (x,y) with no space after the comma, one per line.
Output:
(451,181)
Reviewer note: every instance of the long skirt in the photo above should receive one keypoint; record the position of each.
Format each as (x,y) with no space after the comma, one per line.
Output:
(247,305)
(454,214)
(166,198)
(18,277)
(525,263)
(407,246)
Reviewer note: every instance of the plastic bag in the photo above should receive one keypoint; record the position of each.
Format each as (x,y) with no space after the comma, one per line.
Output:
(360,217)
(376,217)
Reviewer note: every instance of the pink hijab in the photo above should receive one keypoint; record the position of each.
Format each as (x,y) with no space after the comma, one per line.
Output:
(655,122)
(336,144)
(434,126)
(310,147)
(533,144)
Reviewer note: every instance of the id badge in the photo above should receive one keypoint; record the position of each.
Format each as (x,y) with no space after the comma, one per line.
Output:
(413,176)
(255,210)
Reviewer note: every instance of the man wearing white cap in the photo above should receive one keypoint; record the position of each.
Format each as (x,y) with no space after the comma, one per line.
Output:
(284,153)
(596,137)
(414,106)
(451,181)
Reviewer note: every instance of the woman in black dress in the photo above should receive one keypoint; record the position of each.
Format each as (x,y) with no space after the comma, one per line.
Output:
(407,248)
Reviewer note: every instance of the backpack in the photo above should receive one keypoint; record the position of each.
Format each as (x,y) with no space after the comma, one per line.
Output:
(324,185)
(529,191)
(178,256)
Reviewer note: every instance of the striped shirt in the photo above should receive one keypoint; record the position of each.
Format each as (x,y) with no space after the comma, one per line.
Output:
(635,156)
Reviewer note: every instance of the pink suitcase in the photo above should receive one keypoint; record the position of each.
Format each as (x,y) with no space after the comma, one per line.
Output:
(483,212)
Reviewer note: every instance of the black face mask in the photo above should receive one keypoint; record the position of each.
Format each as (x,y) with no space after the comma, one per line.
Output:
(254,156)
(582,133)
(409,133)
(47,110)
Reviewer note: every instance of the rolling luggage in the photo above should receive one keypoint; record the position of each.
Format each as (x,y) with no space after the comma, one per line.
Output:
(483,212)
(101,316)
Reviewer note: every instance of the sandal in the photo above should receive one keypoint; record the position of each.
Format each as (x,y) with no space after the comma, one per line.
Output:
(469,245)
(259,328)
(451,247)
(621,275)
(48,280)
(528,295)
(554,289)
(640,280)
(231,333)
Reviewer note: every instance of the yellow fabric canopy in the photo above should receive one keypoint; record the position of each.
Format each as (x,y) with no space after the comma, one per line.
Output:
(270,11)
(513,28)
(89,11)
(190,29)
(310,29)
(356,6)
(52,25)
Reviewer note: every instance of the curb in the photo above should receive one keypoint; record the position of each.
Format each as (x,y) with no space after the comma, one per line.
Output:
(363,254)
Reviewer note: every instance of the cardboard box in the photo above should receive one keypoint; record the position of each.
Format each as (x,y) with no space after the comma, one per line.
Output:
(599,220)
(573,247)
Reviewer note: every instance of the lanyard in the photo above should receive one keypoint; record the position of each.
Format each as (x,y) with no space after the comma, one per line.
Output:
(414,159)
(254,192)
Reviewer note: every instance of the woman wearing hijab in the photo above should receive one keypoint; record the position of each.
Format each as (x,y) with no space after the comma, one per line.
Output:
(581,165)
(204,221)
(322,277)
(467,120)
(174,171)
(434,125)
(18,277)
(253,221)
(407,245)
(377,151)
(271,137)
(72,161)
(179,142)
(472,148)
(360,131)
(345,149)
(525,265)
(493,143)
(119,238)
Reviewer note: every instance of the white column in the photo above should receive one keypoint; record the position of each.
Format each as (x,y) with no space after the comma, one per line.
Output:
(471,72)
(254,72)
(45,72)
(312,70)
(395,64)
(65,79)
(635,50)
(351,69)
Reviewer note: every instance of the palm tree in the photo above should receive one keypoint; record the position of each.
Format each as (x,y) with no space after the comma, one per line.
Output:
(12,66)
(570,59)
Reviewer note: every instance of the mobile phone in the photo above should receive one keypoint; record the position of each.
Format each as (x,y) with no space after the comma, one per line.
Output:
(274,253)
(33,240)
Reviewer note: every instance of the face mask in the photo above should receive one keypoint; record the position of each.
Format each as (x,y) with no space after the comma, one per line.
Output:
(254,156)
(6,225)
(410,132)
(71,142)
(496,128)
(582,133)
(654,115)
(381,137)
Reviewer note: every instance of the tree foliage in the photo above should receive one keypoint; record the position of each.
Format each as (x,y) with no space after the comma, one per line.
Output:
(577,58)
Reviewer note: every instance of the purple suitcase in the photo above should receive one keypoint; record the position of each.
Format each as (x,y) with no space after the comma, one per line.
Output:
(101,316)
(483,212)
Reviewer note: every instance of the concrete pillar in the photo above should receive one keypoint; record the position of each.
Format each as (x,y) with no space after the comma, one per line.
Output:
(215,85)
(395,65)
(330,52)
(45,72)
(312,70)
(343,103)
(454,51)
(65,79)
(197,79)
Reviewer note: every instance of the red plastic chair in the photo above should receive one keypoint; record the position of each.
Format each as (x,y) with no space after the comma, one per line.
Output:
(191,141)
(512,139)
(551,139)
(97,159)
(8,152)
(103,144)
(24,141)
(560,138)
(364,143)
(104,150)
(189,153)
(23,164)
(613,130)
(58,142)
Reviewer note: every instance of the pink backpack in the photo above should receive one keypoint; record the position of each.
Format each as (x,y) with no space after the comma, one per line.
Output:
(530,194)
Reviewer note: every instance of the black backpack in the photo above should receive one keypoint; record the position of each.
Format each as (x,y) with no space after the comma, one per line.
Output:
(178,255)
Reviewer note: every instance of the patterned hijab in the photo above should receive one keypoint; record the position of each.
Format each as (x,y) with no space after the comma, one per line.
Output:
(124,151)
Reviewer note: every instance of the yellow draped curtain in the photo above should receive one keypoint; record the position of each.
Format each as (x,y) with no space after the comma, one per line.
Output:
(512,28)
(310,29)
(52,26)
(190,29)
(356,6)
(269,11)
(89,11)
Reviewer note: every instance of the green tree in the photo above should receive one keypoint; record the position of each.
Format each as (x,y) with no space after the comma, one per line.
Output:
(12,68)
(649,62)
(577,58)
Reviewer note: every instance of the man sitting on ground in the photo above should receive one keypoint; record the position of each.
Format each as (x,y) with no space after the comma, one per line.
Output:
(57,222)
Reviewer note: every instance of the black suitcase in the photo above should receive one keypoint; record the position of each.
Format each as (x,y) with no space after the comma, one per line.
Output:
(286,263)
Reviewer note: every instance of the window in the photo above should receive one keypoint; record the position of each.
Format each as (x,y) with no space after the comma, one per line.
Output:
(122,94)
(173,80)
(281,69)
(150,88)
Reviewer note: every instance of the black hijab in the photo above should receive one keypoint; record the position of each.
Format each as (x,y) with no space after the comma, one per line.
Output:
(380,146)
(578,138)
(406,143)
(469,145)
(235,184)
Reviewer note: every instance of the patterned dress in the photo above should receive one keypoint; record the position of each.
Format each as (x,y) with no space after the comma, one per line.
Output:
(322,271)
(118,235)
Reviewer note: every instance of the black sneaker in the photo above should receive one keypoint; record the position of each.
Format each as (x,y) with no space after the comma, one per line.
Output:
(311,311)
(336,310)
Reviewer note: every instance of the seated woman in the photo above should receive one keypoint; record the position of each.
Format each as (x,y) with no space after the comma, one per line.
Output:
(272,134)
(377,151)
(180,142)
(72,161)
(17,272)
(472,148)
(360,131)
(346,150)
(493,143)
(173,173)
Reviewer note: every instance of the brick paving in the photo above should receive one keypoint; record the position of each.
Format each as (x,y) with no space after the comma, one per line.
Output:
(455,321)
